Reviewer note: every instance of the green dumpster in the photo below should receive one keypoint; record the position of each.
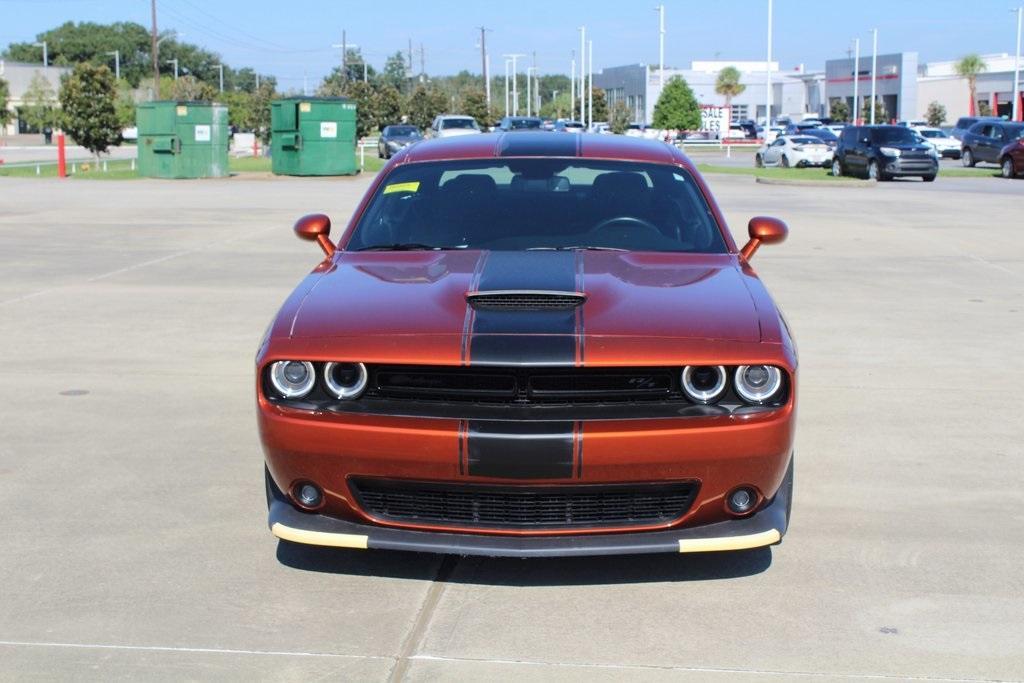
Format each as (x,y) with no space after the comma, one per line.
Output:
(313,136)
(182,139)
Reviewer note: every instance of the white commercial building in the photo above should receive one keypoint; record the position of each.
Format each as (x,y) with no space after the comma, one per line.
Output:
(939,82)
(19,76)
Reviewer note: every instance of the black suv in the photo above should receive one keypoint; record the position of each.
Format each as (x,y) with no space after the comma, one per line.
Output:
(884,152)
(984,140)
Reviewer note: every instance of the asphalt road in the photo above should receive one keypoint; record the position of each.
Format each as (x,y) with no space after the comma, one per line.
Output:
(135,543)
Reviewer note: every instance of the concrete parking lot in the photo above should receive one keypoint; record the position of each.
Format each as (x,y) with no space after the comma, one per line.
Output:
(135,543)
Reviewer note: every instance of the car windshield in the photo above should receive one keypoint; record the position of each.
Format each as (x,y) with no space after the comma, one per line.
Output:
(518,124)
(458,123)
(403,131)
(932,134)
(538,203)
(894,135)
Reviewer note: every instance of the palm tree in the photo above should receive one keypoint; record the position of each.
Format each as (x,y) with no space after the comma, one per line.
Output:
(969,67)
(728,84)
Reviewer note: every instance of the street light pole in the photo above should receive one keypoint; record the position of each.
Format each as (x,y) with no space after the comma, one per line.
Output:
(660,9)
(856,80)
(46,58)
(508,62)
(220,69)
(515,83)
(175,63)
(590,83)
(1016,70)
(874,66)
(768,78)
(572,88)
(117,63)
(583,70)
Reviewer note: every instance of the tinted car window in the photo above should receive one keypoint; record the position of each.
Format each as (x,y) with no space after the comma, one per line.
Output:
(458,123)
(893,135)
(401,131)
(966,122)
(822,133)
(538,203)
(977,129)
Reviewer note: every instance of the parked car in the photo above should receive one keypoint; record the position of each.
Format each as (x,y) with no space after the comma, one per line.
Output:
(985,140)
(547,124)
(801,126)
(836,128)
(431,385)
(884,152)
(513,123)
(945,145)
(823,134)
(913,123)
(965,122)
(447,125)
(564,126)
(1011,158)
(794,150)
(600,128)
(396,138)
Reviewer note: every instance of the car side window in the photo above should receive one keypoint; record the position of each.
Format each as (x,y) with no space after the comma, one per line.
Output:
(997,132)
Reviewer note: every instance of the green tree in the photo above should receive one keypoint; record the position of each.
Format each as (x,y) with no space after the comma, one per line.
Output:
(394,73)
(881,115)
(5,94)
(984,108)
(125,104)
(677,107)
(474,103)
(424,104)
(936,114)
(557,108)
(600,105)
(192,89)
(620,117)
(389,105)
(728,84)
(969,67)
(39,110)
(87,98)
(72,43)
(839,110)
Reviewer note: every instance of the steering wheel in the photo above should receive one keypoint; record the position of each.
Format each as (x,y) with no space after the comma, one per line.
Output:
(627,220)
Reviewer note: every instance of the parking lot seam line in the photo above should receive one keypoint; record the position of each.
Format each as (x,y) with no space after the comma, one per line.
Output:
(702,669)
(419,628)
(323,538)
(193,650)
(994,265)
(704,545)
(134,266)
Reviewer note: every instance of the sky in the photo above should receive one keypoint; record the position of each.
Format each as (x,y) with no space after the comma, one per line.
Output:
(292,39)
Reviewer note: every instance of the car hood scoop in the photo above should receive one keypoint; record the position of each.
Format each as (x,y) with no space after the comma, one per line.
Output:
(524,300)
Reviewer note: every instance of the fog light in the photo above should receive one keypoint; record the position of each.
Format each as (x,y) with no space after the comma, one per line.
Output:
(742,500)
(308,495)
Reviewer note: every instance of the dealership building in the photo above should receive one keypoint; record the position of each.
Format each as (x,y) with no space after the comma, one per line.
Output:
(19,78)
(904,86)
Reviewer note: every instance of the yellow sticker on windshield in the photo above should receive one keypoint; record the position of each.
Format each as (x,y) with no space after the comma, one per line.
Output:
(402,187)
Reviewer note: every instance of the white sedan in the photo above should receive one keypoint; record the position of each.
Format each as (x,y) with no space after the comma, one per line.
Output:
(794,150)
(944,144)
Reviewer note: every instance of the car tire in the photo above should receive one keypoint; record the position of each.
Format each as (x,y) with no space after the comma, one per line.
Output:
(928,178)
(785,161)
(967,158)
(1007,168)
(874,173)
(758,161)
(837,168)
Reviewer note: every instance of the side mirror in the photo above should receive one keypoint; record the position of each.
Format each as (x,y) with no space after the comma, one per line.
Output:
(316,227)
(763,230)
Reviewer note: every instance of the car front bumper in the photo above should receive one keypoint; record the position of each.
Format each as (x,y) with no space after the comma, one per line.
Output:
(765,527)
(900,166)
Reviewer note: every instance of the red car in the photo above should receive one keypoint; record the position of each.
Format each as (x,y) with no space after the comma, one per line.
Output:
(1011,158)
(531,344)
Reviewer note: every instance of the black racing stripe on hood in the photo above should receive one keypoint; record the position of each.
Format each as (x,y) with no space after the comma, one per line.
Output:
(541,337)
(521,450)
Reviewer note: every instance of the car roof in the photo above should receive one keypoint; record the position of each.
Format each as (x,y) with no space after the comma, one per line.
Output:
(544,144)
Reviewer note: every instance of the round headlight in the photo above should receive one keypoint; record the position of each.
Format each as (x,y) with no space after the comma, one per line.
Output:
(758,383)
(345,380)
(704,383)
(292,378)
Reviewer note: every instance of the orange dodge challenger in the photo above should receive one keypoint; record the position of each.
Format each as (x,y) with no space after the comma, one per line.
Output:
(531,344)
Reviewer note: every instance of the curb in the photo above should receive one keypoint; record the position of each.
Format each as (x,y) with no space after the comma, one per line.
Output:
(815,183)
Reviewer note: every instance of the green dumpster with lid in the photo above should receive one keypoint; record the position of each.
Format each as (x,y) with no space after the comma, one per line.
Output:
(182,139)
(313,136)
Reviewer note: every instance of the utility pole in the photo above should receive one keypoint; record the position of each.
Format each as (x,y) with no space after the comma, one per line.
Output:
(220,69)
(515,83)
(856,80)
(583,70)
(874,65)
(590,84)
(660,9)
(153,53)
(572,89)
(117,63)
(768,78)
(1016,70)
(483,65)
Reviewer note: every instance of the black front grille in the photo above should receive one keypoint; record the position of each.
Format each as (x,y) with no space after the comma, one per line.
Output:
(521,507)
(525,301)
(524,385)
